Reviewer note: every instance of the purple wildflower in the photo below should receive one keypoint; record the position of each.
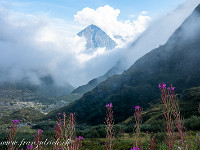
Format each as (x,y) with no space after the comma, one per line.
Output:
(59,113)
(80,138)
(137,107)
(164,85)
(16,121)
(173,88)
(168,88)
(29,146)
(40,131)
(109,105)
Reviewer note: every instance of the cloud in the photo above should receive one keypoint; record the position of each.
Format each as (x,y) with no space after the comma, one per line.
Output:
(107,19)
(158,32)
(35,46)
(144,13)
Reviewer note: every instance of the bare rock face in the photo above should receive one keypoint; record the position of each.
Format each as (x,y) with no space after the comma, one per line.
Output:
(97,38)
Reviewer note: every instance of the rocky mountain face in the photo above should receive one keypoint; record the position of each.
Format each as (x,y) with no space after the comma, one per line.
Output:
(175,62)
(96,38)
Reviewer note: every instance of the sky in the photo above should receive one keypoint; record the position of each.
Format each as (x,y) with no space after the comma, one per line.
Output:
(65,11)
(67,8)
(39,37)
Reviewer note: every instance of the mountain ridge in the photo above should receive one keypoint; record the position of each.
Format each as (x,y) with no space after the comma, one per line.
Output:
(96,38)
(175,62)
(117,69)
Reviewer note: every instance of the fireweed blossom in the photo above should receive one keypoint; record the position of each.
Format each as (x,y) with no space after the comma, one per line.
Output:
(138,118)
(168,98)
(78,143)
(162,86)
(172,116)
(12,133)
(40,131)
(29,146)
(109,105)
(80,138)
(137,107)
(172,88)
(37,138)
(109,124)
(65,132)
(16,121)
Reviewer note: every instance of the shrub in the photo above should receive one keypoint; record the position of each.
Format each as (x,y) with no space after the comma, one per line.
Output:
(193,123)
(153,126)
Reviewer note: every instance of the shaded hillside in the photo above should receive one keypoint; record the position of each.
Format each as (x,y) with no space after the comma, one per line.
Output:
(153,120)
(176,62)
(117,69)
(189,106)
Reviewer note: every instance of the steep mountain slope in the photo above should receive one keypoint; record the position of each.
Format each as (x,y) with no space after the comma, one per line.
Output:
(96,38)
(176,62)
(117,69)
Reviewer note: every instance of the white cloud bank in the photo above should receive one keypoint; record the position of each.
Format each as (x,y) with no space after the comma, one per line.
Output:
(35,46)
(158,32)
(107,19)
